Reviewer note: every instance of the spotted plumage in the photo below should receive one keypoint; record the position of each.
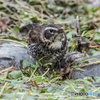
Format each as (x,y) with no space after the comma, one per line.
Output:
(48,42)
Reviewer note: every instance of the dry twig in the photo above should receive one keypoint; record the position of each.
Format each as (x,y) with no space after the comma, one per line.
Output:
(6,69)
(46,72)
(3,90)
(4,37)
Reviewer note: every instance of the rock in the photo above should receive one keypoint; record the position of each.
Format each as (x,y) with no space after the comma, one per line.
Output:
(92,68)
(12,54)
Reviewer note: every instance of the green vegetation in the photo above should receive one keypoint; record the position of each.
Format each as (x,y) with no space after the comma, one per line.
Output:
(25,84)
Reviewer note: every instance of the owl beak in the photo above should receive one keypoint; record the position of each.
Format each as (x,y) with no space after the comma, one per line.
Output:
(60,30)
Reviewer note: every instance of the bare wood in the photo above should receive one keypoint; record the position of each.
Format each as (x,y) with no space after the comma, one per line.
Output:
(4,37)
(6,69)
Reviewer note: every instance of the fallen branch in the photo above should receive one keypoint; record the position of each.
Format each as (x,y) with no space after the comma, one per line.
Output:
(6,69)
(4,37)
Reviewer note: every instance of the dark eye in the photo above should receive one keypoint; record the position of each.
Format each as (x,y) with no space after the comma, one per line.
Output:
(51,30)
(48,33)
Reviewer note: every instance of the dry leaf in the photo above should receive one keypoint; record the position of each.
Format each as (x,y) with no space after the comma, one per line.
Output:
(3,23)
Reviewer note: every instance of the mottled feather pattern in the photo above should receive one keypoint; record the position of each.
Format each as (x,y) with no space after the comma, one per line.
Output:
(38,46)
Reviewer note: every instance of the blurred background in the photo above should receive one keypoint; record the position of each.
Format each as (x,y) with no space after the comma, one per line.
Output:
(15,84)
(14,14)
